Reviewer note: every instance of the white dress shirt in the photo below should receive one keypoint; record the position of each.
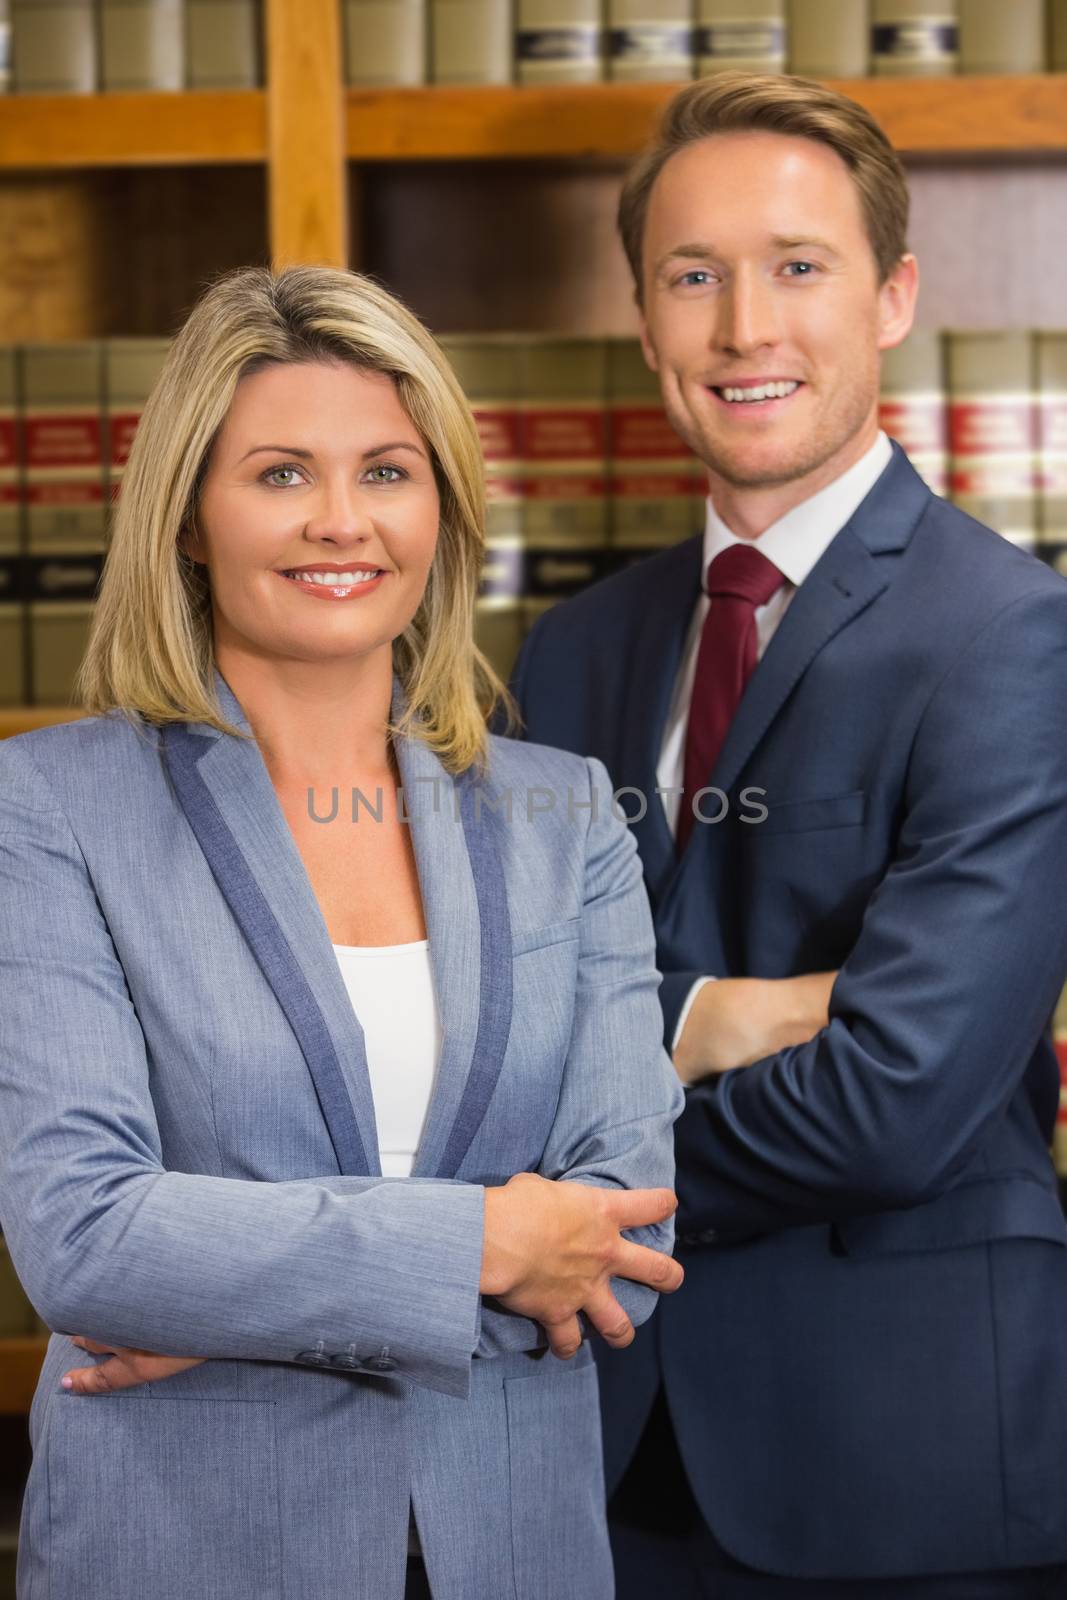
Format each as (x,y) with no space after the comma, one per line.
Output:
(794,543)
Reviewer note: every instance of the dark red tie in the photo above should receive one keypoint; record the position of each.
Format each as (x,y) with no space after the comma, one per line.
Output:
(738,580)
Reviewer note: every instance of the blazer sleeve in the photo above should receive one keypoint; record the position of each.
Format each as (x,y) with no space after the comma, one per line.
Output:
(962,954)
(110,1243)
(620,1094)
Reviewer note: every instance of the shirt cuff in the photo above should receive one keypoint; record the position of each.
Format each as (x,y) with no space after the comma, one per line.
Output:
(686,1006)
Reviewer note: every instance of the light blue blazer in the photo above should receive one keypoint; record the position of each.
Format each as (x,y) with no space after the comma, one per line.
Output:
(189,1163)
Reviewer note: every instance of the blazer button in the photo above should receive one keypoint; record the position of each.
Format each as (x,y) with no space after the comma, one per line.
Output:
(709,1236)
(381,1364)
(313,1358)
(347,1363)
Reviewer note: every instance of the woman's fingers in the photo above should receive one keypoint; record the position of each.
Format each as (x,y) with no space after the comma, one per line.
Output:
(639,1208)
(564,1337)
(642,1265)
(102,1379)
(609,1319)
(124,1368)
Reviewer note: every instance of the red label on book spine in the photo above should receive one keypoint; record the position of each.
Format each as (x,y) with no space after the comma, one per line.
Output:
(577,433)
(917,423)
(565,487)
(123,426)
(59,439)
(500,432)
(8,455)
(1003,422)
(643,433)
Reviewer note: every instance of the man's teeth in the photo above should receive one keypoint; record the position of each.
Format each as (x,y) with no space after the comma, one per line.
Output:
(766,391)
(333,580)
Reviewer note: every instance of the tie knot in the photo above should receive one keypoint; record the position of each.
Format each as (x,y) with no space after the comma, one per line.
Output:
(743,573)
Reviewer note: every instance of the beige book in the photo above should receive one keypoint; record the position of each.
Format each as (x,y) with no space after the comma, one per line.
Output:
(471,41)
(499,626)
(656,485)
(17,1316)
(559,41)
(142,44)
(914,38)
(829,38)
(991,430)
(1002,35)
(62,599)
(564,443)
(223,44)
(61,393)
(131,367)
(53,47)
(748,34)
(5,46)
(913,404)
(1057,35)
(650,41)
(1050,361)
(385,42)
(488,368)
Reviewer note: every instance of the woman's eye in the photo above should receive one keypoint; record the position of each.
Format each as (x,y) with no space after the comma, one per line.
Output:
(272,472)
(393,474)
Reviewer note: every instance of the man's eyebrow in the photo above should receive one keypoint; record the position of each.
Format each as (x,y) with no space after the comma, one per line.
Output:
(306,455)
(780,241)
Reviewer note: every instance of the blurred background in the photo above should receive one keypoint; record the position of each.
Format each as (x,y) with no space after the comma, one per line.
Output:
(469,153)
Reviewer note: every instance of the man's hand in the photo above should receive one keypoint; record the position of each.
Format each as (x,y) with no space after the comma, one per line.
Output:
(550,1248)
(125,1369)
(735,1021)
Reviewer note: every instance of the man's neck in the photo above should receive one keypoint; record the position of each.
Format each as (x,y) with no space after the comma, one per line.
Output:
(748,511)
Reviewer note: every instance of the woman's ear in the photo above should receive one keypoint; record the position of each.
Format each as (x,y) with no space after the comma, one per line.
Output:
(190,543)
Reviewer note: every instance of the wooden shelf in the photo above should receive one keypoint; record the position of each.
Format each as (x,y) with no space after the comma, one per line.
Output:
(1025,114)
(20,1367)
(23,719)
(63,131)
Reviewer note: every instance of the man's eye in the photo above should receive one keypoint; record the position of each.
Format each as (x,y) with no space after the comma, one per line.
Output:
(693,274)
(809,265)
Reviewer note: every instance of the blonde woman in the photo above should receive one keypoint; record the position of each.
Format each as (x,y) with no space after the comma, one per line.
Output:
(331,1074)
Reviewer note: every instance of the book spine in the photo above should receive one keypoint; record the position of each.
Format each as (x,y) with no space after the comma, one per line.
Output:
(1050,351)
(142,44)
(995,37)
(656,486)
(385,43)
(748,34)
(53,47)
(913,405)
(650,41)
(559,41)
(223,45)
(829,38)
(5,46)
(131,367)
(991,431)
(471,41)
(914,38)
(1057,35)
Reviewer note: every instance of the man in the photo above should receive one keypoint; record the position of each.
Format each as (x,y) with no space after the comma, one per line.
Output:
(862,693)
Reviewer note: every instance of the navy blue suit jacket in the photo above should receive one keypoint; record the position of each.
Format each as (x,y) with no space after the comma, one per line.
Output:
(867,1364)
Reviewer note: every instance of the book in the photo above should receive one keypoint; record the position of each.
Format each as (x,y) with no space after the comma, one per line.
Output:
(656,484)
(914,38)
(650,41)
(995,37)
(1050,362)
(53,47)
(1057,35)
(829,38)
(991,430)
(142,44)
(222,44)
(13,690)
(913,405)
(385,42)
(131,367)
(559,41)
(471,41)
(748,34)
(488,368)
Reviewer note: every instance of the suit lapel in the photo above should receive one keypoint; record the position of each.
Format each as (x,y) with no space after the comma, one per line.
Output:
(225,790)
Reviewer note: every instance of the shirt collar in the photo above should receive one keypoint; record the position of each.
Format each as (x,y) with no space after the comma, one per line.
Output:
(796,541)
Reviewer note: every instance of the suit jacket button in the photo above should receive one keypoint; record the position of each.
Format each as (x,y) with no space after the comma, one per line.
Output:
(313,1358)
(347,1363)
(709,1236)
(381,1364)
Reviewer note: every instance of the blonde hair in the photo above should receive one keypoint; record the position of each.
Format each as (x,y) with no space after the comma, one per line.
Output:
(150,651)
(733,101)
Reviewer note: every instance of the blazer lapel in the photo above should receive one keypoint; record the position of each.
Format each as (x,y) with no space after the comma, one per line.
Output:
(225,790)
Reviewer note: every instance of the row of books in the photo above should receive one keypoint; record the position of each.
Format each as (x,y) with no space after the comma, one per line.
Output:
(583,471)
(80,46)
(586,41)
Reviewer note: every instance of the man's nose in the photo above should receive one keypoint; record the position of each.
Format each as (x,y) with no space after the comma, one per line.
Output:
(747,316)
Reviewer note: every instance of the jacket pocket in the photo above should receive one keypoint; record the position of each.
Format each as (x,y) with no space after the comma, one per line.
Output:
(1010,1208)
(804,816)
(172,1498)
(558,1511)
(553,933)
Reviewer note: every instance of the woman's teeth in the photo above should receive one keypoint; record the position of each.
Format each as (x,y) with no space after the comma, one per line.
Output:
(333,580)
(766,391)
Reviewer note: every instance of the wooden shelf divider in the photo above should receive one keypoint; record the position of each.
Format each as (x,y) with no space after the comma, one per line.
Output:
(60,132)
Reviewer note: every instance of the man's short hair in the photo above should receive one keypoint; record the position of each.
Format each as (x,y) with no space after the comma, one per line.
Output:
(731,102)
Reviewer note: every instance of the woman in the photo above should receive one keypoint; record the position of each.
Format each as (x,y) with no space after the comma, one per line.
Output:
(312,993)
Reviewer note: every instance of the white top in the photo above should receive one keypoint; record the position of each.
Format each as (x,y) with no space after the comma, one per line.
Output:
(794,543)
(391,990)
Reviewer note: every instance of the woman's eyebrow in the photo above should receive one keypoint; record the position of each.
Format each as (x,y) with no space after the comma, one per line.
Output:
(294,450)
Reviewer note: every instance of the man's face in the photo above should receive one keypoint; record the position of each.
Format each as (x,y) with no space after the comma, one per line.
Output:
(757,268)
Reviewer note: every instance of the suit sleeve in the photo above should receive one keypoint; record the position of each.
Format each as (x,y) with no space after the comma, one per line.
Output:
(955,974)
(110,1243)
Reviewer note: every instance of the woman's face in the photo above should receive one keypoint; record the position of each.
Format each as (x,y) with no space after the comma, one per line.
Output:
(318,468)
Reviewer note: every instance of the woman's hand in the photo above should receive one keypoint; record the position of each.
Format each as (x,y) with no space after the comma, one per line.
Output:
(550,1248)
(125,1369)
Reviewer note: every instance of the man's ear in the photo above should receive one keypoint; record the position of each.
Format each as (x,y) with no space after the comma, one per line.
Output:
(896,303)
